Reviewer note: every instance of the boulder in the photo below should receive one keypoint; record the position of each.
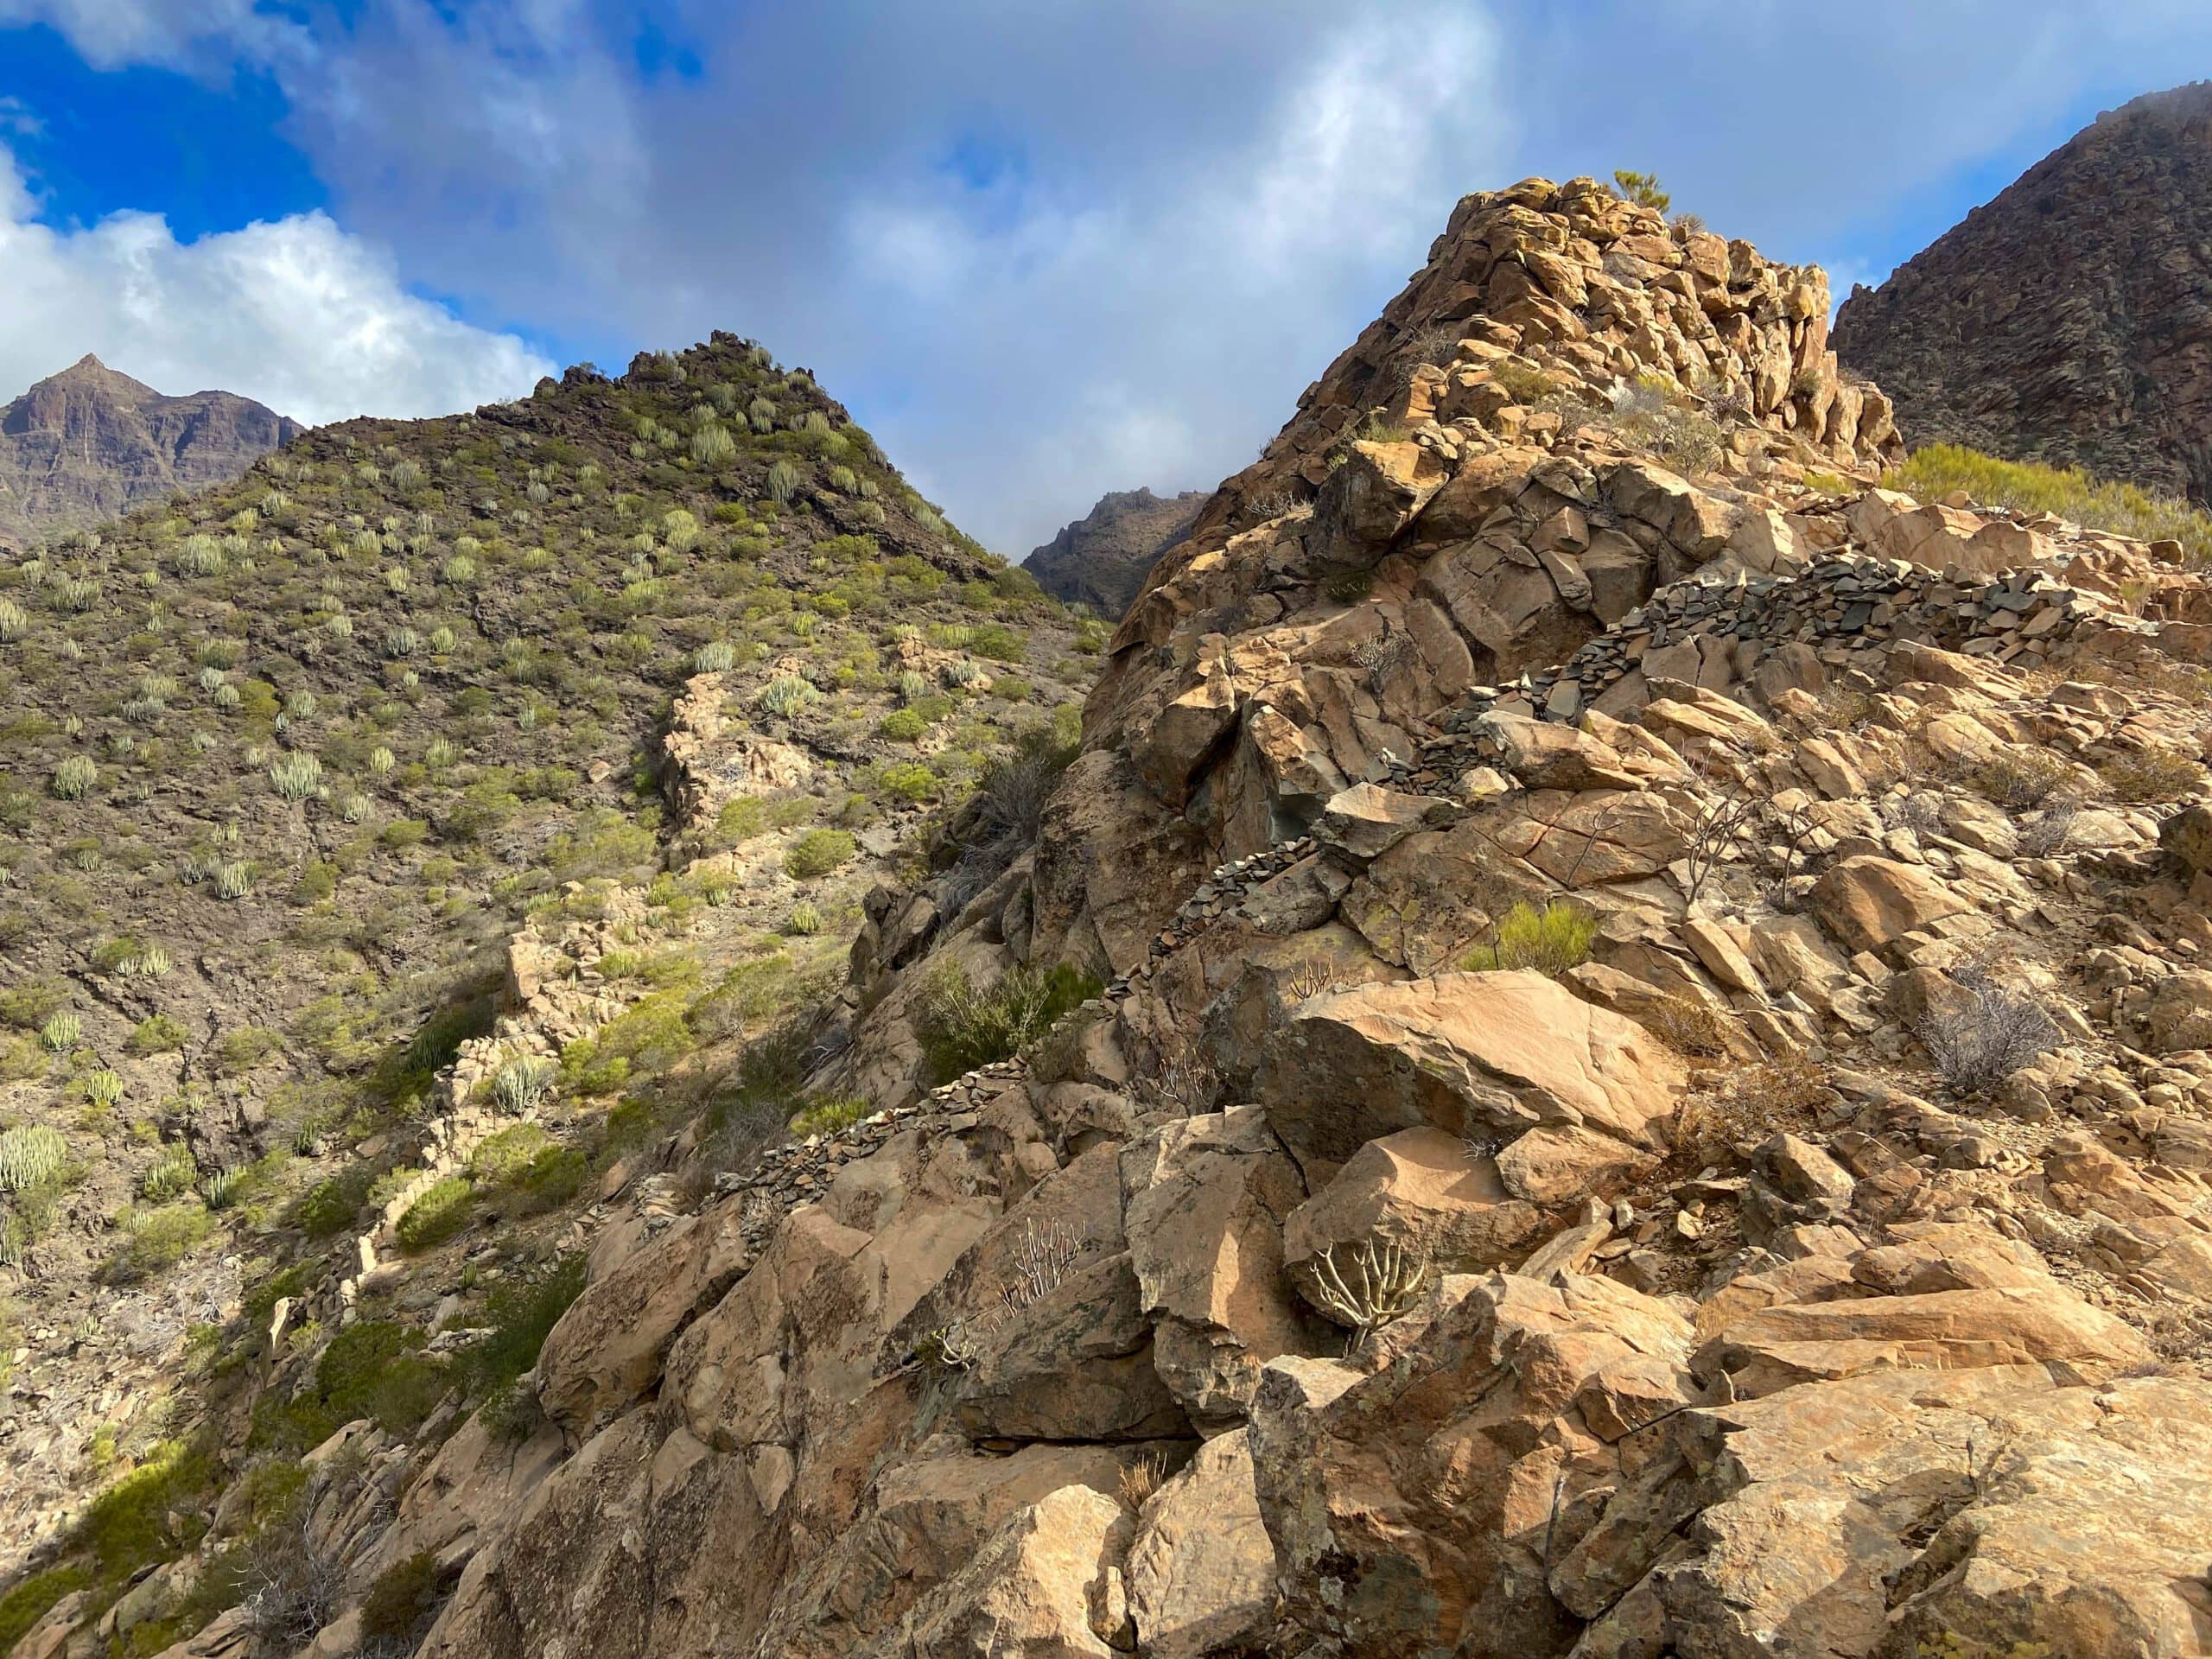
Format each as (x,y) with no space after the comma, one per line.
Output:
(1952,1330)
(1207,1199)
(1367,820)
(1544,754)
(1988,1512)
(1870,902)
(1202,1569)
(1425,1191)
(1469,1053)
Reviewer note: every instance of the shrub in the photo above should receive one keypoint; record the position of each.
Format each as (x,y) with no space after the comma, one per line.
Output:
(1983,1036)
(911,782)
(818,852)
(295,776)
(1939,468)
(158,1239)
(329,1206)
(903,726)
(442,1210)
(516,1319)
(962,1028)
(1550,940)
(827,1117)
(173,1173)
(74,778)
(2150,776)
(2019,777)
(1642,189)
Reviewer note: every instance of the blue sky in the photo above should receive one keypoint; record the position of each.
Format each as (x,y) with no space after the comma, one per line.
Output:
(1043,248)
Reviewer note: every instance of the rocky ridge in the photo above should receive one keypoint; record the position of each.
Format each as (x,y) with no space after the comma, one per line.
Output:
(1338,1282)
(88,444)
(2066,321)
(1102,559)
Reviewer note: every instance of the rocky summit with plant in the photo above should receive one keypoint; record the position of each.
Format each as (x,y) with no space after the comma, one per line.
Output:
(1596,1044)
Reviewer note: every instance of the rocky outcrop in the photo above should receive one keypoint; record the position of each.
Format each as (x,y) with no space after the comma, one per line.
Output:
(1532,1179)
(88,444)
(1102,559)
(2066,321)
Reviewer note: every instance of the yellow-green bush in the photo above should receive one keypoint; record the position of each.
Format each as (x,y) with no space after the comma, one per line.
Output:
(2069,492)
(1549,941)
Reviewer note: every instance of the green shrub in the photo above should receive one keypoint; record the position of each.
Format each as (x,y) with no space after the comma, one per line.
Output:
(1550,940)
(962,1028)
(173,1173)
(516,1319)
(910,782)
(158,1033)
(903,726)
(818,852)
(520,1084)
(155,1240)
(787,695)
(442,1210)
(329,1206)
(295,776)
(1940,468)
(828,1116)
(401,1599)
(1642,189)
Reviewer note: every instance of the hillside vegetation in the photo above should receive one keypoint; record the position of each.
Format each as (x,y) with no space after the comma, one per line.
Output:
(283,766)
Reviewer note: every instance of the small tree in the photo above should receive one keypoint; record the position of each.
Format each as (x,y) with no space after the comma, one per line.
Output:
(1642,189)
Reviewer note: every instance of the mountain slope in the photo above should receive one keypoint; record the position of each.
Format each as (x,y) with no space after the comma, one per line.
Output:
(1102,559)
(88,444)
(342,807)
(2070,320)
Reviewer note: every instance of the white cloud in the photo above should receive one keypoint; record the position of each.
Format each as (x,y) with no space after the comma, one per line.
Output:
(112,33)
(293,313)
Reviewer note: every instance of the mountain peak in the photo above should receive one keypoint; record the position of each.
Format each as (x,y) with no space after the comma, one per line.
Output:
(2064,320)
(89,442)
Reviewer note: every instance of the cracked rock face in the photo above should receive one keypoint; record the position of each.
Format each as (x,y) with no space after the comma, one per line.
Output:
(2067,321)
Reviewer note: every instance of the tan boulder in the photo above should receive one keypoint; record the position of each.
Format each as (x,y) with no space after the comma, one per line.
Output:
(1869,903)
(605,1354)
(1468,1053)
(1413,1511)
(1038,1586)
(2042,1518)
(1207,1199)
(1544,754)
(2179,1013)
(1952,1330)
(1367,820)
(1201,1571)
(1425,1191)
(1370,498)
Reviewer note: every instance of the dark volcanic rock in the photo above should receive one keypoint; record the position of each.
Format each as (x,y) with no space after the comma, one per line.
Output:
(1103,559)
(2069,320)
(88,444)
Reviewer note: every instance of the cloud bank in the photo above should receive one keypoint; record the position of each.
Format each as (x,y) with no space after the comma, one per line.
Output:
(293,313)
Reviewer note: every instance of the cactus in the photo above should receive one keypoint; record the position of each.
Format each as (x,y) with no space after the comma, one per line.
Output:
(715,657)
(74,778)
(61,1033)
(30,1156)
(295,776)
(787,695)
(171,1175)
(234,880)
(522,1083)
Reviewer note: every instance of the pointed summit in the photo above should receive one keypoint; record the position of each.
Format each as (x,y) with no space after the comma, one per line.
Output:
(89,442)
